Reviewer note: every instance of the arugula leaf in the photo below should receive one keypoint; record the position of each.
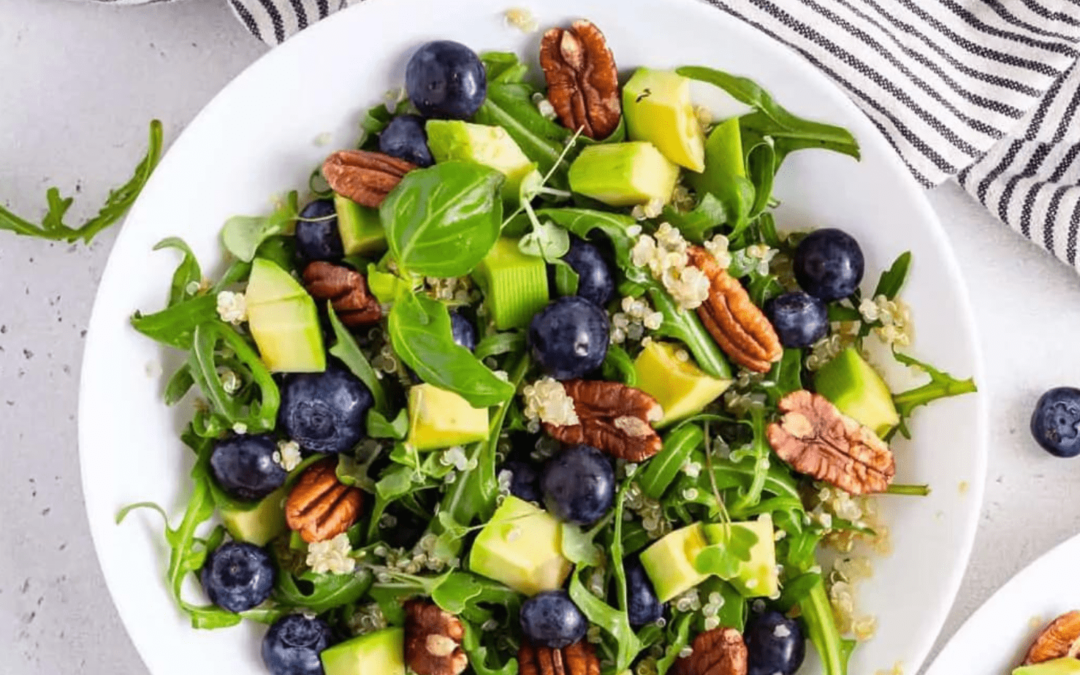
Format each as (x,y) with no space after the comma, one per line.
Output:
(547,241)
(613,225)
(503,67)
(395,482)
(666,465)
(380,427)
(612,621)
(696,224)
(892,280)
(375,120)
(686,326)
(457,589)
(176,325)
(941,385)
(509,105)
(566,279)
(579,547)
(116,205)
(187,272)
(500,343)
(258,416)
(821,628)
(478,654)
(724,179)
(724,557)
(242,235)
(349,353)
(618,366)
(442,221)
(178,385)
(786,375)
(671,652)
(321,592)
(420,331)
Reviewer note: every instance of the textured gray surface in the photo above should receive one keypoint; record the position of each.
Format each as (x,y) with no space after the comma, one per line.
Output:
(79,83)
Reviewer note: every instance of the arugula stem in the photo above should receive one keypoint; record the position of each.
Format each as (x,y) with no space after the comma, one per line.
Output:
(913,398)
(909,490)
(821,626)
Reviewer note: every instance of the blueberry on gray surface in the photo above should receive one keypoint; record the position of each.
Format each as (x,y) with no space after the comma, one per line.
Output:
(578,485)
(463,331)
(1055,424)
(317,234)
(293,644)
(524,480)
(595,280)
(238,576)
(799,318)
(829,264)
(642,605)
(569,337)
(324,412)
(551,619)
(775,644)
(446,79)
(406,139)
(244,467)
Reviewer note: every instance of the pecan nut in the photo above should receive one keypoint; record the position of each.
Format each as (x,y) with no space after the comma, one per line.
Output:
(433,640)
(734,321)
(583,84)
(613,418)
(815,438)
(346,290)
(720,651)
(320,507)
(1061,639)
(576,659)
(364,177)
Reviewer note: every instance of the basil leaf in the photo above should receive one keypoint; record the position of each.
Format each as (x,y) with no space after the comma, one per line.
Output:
(666,465)
(349,353)
(379,427)
(176,325)
(442,221)
(420,332)
(509,105)
(187,272)
(242,235)
(892,280)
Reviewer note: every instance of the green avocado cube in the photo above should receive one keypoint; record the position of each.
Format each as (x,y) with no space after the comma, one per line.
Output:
(488,145)
(283,320)
(361,230)
(678,385)
(515,285)
(381,653)
(261,524)
(439,419)
(624,174)
(856,389)
(757,577)
(1062,666)
(521,546)
(669,562)
(658,109)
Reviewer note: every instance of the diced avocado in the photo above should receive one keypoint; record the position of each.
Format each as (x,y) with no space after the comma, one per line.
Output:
(361,230)
(439,419)
(624,174)
(381,652)
(756,577)
(482,144)
(521,546)
(858,391)
(658,109)
(261,524)
(669,561)
(515,285)
(681,388)
(283,320)
(1063,666)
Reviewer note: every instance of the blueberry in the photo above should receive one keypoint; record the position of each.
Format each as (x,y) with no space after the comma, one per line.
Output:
(317,235)
(238,576)
(775,644)
(1055,424)
(569,337)
(244,466)
(829,264)
(446,79)
(463,331)
(799,319)
(578,485)
(551,619)
(642,604)
(406,139)
(293,643)
(595,281)
(324,412)
(524,481)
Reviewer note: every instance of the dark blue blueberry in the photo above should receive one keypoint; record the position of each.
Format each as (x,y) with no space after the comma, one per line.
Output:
(1055,424)
(525,480)
(406,139)
(642,605)
(578,485)
(595,281)
(551,619)
(463,331)
(317,235)
(244,466)
(324,412)
(829,264)
(238,576)
(775,644)
(293,643)
(446,79)
(569,337)
(800,319)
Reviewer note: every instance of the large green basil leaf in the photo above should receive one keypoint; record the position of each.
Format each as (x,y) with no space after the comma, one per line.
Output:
(442,221)
(420,332)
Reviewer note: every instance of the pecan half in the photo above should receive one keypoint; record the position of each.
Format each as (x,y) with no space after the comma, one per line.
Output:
(613,418)
(734,321)
(720,651)
(346,290)
(818,440)
(433,640)
(576,659)
(320,507)
(583,84)
(364,177)
(1061,639)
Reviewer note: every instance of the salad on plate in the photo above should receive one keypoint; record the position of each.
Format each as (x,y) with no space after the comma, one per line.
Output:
(532,382)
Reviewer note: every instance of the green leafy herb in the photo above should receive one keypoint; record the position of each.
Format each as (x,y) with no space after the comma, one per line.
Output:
(821,627)
(547,241)
(187,272)
(499,343)
(682,638)
(724,180)
(580,547)
(321,592)
(349,353)
(566,279)
(242,235)
(504,67)
(175,325)
(619,367)
(666,465)
(725,557)
(892,280)
(256,415)
(785,376)
(178,385)
(686,326)
(706,216)
(941,385)
(479,655)
(379,427)
(509,105)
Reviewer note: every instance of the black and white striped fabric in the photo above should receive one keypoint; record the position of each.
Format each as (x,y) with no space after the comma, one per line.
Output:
(982,90)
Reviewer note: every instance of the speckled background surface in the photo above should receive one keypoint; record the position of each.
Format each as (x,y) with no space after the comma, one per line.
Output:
(79,82)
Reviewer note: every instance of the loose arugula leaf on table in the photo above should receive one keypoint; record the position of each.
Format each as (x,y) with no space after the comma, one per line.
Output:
(941,385)
(116,205)
(349,353)
(242,235)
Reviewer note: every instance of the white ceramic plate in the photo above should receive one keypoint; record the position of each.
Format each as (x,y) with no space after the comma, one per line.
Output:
(994,640)
(257,140)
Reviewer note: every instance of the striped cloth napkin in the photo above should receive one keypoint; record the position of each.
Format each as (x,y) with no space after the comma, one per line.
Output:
(981,90)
